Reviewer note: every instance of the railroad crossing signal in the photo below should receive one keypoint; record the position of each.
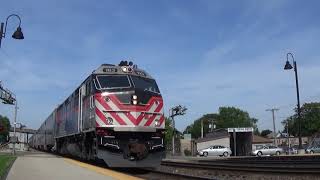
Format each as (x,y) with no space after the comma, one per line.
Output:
(178,110)
(6,96)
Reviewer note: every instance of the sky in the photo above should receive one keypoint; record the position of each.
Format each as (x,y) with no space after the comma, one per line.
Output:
(203,54)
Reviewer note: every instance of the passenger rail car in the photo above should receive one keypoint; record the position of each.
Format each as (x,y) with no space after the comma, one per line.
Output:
(115,115)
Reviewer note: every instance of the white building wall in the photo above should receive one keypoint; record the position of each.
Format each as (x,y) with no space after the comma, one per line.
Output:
(22,144)
(223,142)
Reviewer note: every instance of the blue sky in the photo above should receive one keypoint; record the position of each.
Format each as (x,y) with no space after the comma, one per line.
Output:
(204,54)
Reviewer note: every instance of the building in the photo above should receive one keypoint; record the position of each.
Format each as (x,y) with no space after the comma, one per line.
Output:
(282,139)
(258,142)
(188,147)
(23,136)
(217,137)
(239,140)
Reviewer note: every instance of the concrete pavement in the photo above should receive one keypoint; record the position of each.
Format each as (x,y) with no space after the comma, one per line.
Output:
(44,166)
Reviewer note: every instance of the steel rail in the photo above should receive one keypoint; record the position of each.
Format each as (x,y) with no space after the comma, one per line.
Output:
(250,167)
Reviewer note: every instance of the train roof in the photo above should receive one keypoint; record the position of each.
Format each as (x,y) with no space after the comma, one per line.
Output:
(121,69)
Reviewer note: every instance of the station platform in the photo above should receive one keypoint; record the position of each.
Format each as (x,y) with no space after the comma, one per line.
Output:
(44,166)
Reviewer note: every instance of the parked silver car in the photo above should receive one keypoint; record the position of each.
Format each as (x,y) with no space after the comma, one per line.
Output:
(215,151)
(268,150)
(313,149)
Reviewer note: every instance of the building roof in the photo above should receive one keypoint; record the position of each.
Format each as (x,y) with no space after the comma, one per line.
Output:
(260,140)
(216,134)
(24,130)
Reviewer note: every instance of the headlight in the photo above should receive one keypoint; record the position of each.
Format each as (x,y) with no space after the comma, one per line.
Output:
(134,102)
(157,122)
(134,97)
(124,69)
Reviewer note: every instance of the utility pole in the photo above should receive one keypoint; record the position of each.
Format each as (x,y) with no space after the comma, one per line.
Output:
(274,125)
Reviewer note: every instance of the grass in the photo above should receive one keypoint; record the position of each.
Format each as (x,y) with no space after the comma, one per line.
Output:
(5,163)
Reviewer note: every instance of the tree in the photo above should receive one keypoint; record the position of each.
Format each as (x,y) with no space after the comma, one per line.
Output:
(265,132)
(310,120)
(4,128)
(233,117)
(169,131)
(255,126)
(227,117)
(195,128)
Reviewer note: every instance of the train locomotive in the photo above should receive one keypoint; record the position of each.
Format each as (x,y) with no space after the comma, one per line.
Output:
(115,115)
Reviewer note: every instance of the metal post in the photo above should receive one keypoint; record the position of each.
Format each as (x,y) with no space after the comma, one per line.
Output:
(14,128)
(234,142)
(274,128)
(201,128)
(173,134)
(1,32)
(298,99)
(288,137)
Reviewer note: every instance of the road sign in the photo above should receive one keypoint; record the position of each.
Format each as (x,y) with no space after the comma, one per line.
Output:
(245,129)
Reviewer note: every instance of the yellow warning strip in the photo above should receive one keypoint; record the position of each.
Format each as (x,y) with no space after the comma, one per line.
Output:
(104,171)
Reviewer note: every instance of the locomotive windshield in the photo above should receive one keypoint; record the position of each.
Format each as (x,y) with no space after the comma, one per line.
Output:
(122,81)
(145,84)
(108,82)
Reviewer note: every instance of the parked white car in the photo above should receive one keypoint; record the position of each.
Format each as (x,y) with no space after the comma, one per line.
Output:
(268,150)
(215,151)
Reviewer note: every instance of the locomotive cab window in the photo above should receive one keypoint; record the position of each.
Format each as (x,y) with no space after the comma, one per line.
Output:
(145,84)
(111,82)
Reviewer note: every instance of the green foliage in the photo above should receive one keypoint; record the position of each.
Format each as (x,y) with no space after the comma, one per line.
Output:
(265,132)
(4,128)
(5,162)
(233,117)
(226,118)
(310,120)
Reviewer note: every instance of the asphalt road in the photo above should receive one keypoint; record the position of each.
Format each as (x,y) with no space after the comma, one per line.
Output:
(44,166)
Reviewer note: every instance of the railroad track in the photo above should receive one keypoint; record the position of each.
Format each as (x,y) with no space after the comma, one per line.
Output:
(257,167)
(306,167)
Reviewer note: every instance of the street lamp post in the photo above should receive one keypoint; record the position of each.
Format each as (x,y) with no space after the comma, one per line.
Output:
(3,29)
(288,136)
(288,66)
(14,127)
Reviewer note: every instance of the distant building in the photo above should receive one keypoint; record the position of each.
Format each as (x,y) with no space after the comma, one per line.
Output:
(258,142)
(225,137)
(217,137)
(188,147)
(23,136)
(282,139)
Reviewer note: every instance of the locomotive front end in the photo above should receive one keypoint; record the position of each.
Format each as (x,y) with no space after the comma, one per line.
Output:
(129,117)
